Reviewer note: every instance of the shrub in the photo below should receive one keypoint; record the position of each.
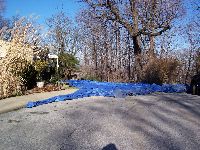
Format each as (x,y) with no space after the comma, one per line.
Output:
(54,79)
(29,76)
(152,74)
(92,77)
(67,65)
(160,71)
(40,66)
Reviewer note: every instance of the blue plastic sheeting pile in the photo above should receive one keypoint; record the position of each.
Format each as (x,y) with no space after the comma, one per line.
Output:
(89,88)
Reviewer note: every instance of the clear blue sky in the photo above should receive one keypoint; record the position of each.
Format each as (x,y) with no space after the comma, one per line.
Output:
(45,8)
(42,8)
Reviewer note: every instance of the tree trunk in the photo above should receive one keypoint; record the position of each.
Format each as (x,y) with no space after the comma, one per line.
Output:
(95,55)
(152,47)
(152,26)
(138,60)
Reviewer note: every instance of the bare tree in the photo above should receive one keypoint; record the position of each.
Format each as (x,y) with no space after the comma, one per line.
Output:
(63,36)
(140,18)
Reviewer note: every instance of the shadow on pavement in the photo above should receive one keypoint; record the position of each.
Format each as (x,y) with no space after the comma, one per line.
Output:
(154,122)
(110,147)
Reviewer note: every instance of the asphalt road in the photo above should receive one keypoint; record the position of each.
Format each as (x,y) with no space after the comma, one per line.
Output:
(153,122)
(18,102)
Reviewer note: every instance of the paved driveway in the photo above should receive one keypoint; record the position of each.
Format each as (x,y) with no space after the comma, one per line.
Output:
(18,102)
(158,121)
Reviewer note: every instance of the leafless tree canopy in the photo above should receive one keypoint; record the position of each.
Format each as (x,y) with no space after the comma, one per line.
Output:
(123,39)
(62,35)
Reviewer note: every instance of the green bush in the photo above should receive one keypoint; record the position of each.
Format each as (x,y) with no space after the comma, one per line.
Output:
(54,79)
(41,67)
(29,76)
(68,64)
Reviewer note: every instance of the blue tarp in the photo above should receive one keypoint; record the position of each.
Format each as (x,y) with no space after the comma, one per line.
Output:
(89,88)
